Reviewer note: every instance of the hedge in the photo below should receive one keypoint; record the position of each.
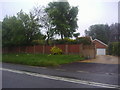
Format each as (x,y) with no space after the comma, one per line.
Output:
(80,40)
(114,48)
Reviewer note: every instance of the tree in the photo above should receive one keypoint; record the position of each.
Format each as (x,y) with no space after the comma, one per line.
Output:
(0,34)
(20,30)
(99,31)
(114,32)
(12,31)
(31,26)
(76,35)
(45,21)
(63,18)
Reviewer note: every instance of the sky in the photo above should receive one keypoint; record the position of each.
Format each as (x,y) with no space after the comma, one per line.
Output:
(90,11)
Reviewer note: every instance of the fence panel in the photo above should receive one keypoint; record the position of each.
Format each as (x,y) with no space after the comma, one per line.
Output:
(47,49)
(38,49)
(23,49)
(73,49)
(30,49)
(85,50)
(61,47)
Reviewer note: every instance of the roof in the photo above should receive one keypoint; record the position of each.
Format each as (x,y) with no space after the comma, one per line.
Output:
(99,44)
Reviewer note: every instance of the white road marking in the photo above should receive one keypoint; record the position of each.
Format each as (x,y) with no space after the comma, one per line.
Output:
(61,69)
(100,73)
(83,71)
(63,79)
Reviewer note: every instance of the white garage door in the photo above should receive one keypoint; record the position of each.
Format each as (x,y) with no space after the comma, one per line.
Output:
(101,51)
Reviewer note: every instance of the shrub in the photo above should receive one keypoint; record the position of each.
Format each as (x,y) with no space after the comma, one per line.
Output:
(55,50)
(80,40)
(114,48)
(38,42)
(84,40)
(65,41)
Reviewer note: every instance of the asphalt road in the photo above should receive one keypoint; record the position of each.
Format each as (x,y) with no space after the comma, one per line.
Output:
(21,76)
(13,80)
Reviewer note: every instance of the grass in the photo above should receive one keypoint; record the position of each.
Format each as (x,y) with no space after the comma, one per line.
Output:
(40,59)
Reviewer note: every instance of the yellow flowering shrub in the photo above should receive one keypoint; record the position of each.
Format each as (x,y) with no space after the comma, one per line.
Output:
(55,50)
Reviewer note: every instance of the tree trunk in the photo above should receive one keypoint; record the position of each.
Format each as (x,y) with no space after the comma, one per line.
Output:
(61,36)
(47,41)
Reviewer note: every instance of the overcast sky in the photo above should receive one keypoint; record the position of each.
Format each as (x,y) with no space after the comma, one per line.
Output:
(90,11)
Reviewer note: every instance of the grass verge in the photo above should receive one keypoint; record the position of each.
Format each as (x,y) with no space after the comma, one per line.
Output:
(40,59)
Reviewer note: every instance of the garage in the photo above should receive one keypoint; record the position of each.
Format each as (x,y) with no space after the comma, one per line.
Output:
(100,47)
(101,51)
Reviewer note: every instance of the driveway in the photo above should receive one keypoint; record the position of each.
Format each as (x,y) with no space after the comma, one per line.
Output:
(104,59)
(105,64)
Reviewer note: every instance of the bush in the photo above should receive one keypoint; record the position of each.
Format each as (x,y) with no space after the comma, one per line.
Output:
(55,50)
(84,40)
(38,42)
(114,48)
(80,40)
(65,41)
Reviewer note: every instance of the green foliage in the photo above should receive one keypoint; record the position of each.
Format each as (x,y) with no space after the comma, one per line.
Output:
(99,31)
(63,18)
(76,35)
(38,42)
(45,21)
(0,34)
(20,30)
(55,50)
(84,40)
(114,48)
(12,31)
(64,41)
(40,59)
(80,40)
(31,26)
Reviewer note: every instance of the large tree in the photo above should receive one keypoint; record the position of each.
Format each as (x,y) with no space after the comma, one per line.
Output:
(45,22)
(31,26)
(114,32)
(20,30)
(12,31)
(63,17)
(99,31)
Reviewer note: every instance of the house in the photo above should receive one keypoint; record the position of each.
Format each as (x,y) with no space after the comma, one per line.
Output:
(100,47)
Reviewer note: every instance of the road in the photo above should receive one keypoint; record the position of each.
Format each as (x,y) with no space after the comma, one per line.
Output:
(21,76)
